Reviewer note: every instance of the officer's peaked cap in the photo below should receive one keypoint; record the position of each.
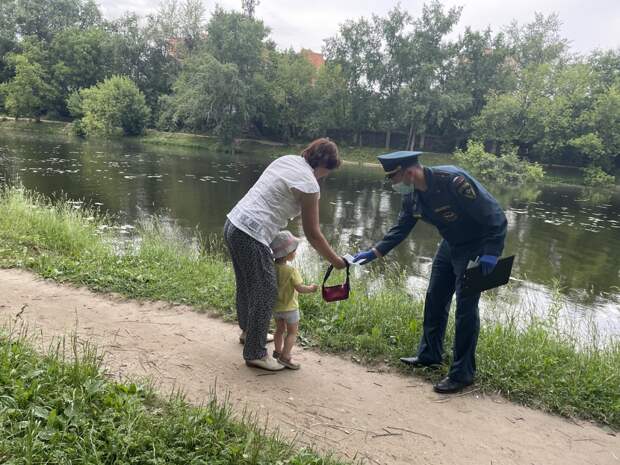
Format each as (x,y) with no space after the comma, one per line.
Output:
(392,162)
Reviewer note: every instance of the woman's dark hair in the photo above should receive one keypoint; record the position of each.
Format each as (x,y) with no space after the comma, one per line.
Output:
(322,152)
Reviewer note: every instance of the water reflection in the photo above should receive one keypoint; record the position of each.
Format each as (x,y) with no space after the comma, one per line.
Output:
(561,235)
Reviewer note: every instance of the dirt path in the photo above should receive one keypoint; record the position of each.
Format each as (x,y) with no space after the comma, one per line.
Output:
(332,403)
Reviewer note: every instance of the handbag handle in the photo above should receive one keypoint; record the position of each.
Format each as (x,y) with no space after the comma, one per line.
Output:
(329,271)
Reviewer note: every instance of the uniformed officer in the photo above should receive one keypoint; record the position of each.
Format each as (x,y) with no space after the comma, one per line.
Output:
(473,226)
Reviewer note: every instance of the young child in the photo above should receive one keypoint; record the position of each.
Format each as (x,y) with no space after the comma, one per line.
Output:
(286,310)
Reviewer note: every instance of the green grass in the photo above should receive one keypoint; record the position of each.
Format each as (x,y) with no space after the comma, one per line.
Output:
(199,141)
(179,139)
(362,154)
(527,359)
(348,153)
(59,407)
(43,127)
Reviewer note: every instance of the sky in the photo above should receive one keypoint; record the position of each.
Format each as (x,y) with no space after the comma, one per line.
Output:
(305,24)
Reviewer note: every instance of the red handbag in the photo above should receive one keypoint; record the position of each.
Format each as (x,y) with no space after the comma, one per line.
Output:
(335,293)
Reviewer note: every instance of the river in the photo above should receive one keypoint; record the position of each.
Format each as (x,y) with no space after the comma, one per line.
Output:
(566,241)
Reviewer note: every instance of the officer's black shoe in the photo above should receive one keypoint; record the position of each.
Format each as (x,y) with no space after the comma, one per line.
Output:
(449,386)
(416,363)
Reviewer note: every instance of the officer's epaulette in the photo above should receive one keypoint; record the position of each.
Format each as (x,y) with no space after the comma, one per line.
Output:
(445,175)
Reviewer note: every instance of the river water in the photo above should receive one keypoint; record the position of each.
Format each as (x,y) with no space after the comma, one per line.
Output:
(566,240)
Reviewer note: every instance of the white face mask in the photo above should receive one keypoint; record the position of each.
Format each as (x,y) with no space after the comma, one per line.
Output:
(403,188)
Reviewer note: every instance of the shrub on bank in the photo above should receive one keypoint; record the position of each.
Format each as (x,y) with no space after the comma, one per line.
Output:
(507,169)
(593,176)
(114,103)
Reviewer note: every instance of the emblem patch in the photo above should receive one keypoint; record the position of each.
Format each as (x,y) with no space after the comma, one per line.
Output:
(464,188)
(447,213)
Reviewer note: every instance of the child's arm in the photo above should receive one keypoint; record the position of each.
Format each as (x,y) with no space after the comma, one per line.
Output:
(306,289)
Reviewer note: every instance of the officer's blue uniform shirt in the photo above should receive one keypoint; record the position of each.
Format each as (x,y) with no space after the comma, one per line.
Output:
(464,212)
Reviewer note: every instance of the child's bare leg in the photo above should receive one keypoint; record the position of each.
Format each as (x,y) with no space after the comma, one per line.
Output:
(278,336)
(289,341)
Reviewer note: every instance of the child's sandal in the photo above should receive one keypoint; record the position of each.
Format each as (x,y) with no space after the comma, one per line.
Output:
(289,363)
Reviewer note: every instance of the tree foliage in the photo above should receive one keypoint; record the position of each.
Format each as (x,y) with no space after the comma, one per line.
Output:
(394,77)
(208,95)
(507,169)
(28,93)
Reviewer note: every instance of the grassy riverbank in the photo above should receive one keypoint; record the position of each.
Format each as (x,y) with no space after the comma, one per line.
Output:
(350,154)
(261,147)
(528,360)
(197,141)
(60,408)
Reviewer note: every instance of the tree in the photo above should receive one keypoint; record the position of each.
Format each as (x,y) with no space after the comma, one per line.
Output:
(237,39)
(606,64)
(391,70)
(353,49)
(152,54)
(193,27)
(562,109)
(538,42)
(80,58)
(8,36)
(478,68)
(605,122)
(291,93)
(28,93)
(45,18)
(114,103)
(249,7)
(516,117)
(208,95)
(331,102)
(425,97)
(145,54)
(178,26)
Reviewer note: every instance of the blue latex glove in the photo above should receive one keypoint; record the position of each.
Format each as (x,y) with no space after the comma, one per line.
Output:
(364,257)
(487,263)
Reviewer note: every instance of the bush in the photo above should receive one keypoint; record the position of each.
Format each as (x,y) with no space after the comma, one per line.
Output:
(77,128)
(594,176)
(114,103)
(505,169)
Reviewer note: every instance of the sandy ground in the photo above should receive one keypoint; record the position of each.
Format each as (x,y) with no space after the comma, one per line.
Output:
(331,403)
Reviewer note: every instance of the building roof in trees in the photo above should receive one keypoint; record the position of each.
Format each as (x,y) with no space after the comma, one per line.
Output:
(315,59)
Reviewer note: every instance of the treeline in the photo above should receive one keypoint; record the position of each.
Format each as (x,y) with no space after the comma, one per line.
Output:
(398,75)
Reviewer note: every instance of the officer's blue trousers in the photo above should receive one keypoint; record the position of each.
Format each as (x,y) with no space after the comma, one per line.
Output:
(448,267)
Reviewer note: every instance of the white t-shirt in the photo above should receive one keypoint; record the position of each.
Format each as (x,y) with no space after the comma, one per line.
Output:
(270,203)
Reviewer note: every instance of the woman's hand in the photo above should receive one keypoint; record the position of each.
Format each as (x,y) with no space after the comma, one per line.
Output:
(340,264)
(310,223)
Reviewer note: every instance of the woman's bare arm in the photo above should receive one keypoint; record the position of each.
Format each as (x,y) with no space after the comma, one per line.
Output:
(312,229)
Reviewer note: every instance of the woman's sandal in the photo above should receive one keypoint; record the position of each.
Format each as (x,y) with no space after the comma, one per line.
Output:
(288,363)
(266,363)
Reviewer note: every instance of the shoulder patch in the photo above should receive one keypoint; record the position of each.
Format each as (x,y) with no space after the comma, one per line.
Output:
(464,188)
(442,174)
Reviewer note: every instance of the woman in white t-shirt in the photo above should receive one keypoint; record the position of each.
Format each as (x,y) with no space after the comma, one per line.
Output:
(288,187)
